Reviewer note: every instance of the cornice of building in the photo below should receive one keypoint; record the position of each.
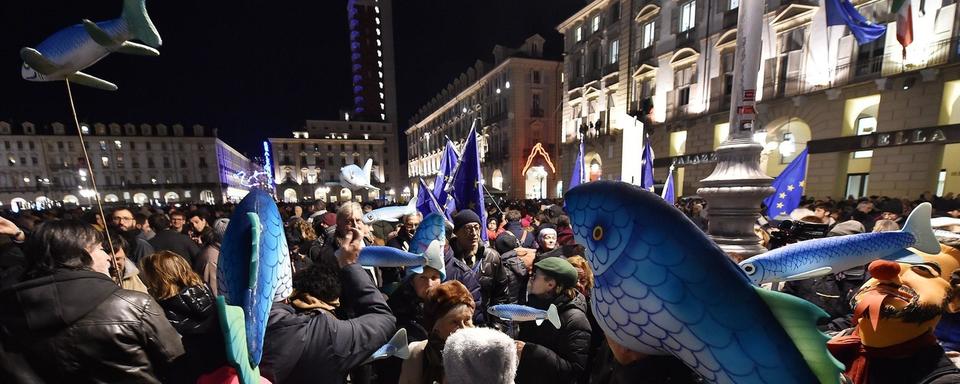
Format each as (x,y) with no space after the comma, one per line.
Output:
(580,14)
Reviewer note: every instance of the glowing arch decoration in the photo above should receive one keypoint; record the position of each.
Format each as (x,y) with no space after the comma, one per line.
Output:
(538,150)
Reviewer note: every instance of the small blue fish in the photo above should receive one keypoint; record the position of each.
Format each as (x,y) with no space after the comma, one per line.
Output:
(254,266)
(71,50)
(521,313)
(662,287)
(396,347)
(819,257)
(391,214)
(382,256)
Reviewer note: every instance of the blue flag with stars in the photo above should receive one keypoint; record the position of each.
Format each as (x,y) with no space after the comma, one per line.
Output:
(466,187)
(448,164)
(427,203)
(789,186)
(669,193)
(842,12)
(646,166)
(576,177)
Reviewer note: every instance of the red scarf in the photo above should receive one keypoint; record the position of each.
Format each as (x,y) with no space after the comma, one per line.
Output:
(856,356)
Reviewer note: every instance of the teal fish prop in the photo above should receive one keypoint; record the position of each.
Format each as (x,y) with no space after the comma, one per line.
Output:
(521,313)
(662,287)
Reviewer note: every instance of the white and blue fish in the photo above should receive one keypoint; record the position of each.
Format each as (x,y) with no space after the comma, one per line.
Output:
(383,256)
(819,257)
(396,347)
(521,313)
(65,54)
(392,213)
(353,177)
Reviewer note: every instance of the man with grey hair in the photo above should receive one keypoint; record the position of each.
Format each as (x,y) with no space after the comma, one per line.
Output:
(349,217)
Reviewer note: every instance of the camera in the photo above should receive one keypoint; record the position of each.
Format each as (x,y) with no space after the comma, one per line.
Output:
(789,232)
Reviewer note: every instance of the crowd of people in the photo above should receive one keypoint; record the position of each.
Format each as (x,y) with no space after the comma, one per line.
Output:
(71,312)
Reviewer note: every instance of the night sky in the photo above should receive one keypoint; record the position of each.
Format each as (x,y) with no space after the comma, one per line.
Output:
(255,69)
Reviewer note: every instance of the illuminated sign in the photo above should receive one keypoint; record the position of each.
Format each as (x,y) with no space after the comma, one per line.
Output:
(267,163)
(538,150)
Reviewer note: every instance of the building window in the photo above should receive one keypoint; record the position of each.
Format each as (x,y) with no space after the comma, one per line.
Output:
(649,30)
(688,16)
(615,11)
(733,4)
(682,80)
(103,145)
(596,23)
(578,33)
(865,125)
(727,63)
(536,77)
(941,181)
(857,184)
(118,144)
(105,161)
(614,51)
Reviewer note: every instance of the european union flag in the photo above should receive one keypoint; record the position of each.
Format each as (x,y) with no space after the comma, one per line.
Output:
(646,164)
(576,177)
(669,193)
(448,164)
(842,12)
(427,203)
(789,186)
(466,187)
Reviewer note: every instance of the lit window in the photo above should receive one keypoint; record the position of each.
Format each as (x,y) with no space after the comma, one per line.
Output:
(378,31)
(117,144)
(376,9)
(733,4)
(380,73)
(688,16)
(579,33)
(379,43)
(85,129)
(377,19)
(682,80)
(105,161)
(596,23)
(379,53)
(647,34)
(381,96)
(941,181)
(380,63)
(381,84)
(614,51)
(865,125)
(507,85)
(383,116)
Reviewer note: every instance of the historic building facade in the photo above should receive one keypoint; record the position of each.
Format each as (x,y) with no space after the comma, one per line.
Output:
(133,164)
(517,100)
(877,120)
(306,167)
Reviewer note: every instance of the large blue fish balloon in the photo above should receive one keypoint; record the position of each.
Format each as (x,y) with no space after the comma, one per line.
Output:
(818,257)
(662,287)
(66,53)
(254,266)
(429,240)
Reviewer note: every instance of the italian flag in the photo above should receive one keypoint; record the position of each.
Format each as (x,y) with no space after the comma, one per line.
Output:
(904,22)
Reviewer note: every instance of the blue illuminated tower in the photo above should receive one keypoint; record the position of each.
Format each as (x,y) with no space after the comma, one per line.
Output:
(371,55)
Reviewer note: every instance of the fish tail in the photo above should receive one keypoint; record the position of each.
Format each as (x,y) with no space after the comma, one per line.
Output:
(135,15)
(918,225)
(799,320)
(553,316)
(235,339)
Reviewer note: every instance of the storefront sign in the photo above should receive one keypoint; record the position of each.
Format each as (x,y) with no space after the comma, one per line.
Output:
(944,134)
(684,160)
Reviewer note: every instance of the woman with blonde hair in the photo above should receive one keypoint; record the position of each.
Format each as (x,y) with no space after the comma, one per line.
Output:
(191,309)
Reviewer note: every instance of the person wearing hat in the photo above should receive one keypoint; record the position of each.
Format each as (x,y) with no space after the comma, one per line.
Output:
(484,261)
(548,354)
(518,262)
(447,308)
(407,304)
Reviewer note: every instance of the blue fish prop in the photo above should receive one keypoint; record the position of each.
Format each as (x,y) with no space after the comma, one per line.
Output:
(429,240)
(662,287)
(396,347)
(392,214)
(819,257)
(382,256)
(521,313)
(66,53)
(254,266)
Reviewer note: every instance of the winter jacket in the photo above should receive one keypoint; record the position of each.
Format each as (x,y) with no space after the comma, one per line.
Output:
(170,240)
(565,236)
(493,277)
(517,270)
(458,270)
(205,265)
(314,345)
(80,327)
(193,313)
(408,308)
(526,240)
(553,355)
(131,277)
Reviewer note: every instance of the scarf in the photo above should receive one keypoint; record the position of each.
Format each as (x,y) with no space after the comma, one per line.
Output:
(433,359)
(856,356)
(304,302)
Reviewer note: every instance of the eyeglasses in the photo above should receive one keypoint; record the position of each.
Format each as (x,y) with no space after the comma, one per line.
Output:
(472,228)
(119,218)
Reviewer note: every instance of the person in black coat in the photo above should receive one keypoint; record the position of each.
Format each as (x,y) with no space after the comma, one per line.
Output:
(407,304)
(191,309)
(303,347)
(484,261)
(167,239)
(548,354)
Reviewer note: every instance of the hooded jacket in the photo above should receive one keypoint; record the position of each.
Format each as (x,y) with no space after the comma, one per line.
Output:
(193,313)
(79,327)
(552,355)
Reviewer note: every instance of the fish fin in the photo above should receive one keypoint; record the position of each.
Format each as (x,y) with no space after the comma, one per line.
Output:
(138,21)
(799,320)
(37,61)
(810,274)
(918,225)
(367,167)
(100,36)
(132,48)
(390,219)
(412,204)
(905,256)
(91,81)
(235,340)
(397,347)
(538,321)
(553,316)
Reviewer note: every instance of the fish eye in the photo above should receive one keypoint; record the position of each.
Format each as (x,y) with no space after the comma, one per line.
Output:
(749,269)
(597,233)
